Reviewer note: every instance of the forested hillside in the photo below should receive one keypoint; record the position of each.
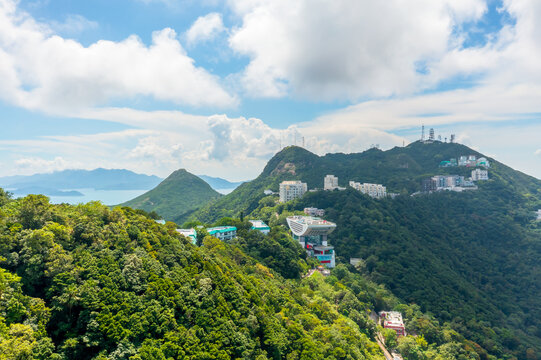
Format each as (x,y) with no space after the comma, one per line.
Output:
(87,282)
(469,258)
(175,198)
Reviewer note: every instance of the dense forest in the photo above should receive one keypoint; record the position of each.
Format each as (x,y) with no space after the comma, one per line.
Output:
(469,258)
(88,282)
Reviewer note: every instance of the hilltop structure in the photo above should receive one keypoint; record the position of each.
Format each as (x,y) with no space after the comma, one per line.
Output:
(330,182)
(311,232)
(377,191)
(290,190)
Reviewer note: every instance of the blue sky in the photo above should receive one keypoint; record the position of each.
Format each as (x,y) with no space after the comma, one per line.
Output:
(216,86)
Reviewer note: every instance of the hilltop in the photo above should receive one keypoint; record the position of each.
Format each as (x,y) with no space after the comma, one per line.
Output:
(401,169)
(175,197)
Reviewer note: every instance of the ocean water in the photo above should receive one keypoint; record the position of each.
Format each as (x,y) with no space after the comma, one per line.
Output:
(108,197)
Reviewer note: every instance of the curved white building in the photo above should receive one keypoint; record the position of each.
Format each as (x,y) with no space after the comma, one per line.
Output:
(311,232)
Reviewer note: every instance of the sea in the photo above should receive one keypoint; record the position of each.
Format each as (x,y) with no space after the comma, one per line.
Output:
(107,197)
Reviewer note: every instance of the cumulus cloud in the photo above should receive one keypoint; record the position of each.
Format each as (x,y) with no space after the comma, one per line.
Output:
(205,28)
(345,48)
(41,70)
(40,165)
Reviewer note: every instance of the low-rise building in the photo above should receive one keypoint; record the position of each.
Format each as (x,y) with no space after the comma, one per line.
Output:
(478,174)
(290,190)
(189,233)
(259,225)
(268,192)
(377,191)
(538,214)
(393,320)
(483,162)
(161,221)
(224,233)
(312,211)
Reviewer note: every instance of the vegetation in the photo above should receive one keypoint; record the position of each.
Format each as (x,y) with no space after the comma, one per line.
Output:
(175,198)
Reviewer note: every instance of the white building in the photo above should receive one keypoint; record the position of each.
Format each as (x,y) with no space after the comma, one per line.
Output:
(290,190)
(330,182)
(312,211)
(479,174)
(483,162)
(377,191)
(189,233)
(259,225)
(538,214)
(393,320)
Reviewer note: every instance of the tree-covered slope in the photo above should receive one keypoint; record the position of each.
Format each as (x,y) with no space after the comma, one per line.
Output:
(401,169)
(176,197)
(86,282)
(470,258)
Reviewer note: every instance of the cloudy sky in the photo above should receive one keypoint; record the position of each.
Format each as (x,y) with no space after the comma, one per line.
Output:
(217,86)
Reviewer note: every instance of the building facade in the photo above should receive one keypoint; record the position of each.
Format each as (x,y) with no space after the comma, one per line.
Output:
(330,182)
(290,190)
(224,233)
(311,232)
(377,191)
(478,174)
(312,211)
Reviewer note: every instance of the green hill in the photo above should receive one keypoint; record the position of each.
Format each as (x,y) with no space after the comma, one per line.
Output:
(470,258)
(176,197)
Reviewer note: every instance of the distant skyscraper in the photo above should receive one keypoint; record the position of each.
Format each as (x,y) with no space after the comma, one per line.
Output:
(431,135)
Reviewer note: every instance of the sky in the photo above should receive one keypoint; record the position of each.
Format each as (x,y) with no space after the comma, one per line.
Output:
(217,87)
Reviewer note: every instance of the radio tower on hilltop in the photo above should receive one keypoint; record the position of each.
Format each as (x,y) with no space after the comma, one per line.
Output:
(423,133)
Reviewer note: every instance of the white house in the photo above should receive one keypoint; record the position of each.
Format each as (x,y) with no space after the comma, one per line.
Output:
(290,190)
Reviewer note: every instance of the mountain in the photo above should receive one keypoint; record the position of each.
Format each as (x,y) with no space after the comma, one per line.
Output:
(176,197)
(99,179)
(220,184)
(469,258)
(401,169)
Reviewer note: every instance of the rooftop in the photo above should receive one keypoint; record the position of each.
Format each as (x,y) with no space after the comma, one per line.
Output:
(221,229)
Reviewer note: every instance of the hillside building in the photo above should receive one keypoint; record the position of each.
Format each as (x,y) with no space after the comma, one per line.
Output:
(483,162)
(478,174)
(393,320)
(224,233)
(259,225)
(312,211)
(189,233)
(447,182)
(161,222)
(538,214)
(377,191)
(330,182)
(311,232)
(290,190)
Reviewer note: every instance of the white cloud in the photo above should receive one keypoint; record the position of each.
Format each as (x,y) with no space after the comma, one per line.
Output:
(345,48)
(73,24)
(44,71)
(205,28)
(33,165)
